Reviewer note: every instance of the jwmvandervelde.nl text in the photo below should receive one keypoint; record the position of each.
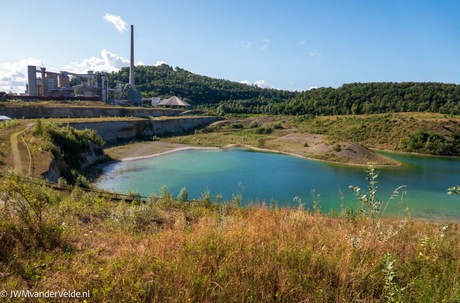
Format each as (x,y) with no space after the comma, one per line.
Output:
(50,294)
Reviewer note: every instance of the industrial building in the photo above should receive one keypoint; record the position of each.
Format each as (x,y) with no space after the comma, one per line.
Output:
(67,85)
(46,84)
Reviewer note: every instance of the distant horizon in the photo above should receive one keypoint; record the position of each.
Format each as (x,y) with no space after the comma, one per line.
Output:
(260,86)
(295,46)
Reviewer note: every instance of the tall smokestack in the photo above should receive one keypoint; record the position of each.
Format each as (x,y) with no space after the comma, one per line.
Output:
(131,61)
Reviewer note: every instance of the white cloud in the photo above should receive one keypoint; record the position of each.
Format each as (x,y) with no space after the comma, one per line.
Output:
(108,62)
(265,43)
(313,87)
(13,75)
(262,84)
(245,44)
(302,43)
(258,83)
(316,57)
(159,63)
(119,23)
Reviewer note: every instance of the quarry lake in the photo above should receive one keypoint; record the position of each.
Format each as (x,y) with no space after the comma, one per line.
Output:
(269,178)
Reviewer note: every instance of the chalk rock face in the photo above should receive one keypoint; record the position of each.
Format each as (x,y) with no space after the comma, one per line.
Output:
(30,112)
(57,166)
(113,131)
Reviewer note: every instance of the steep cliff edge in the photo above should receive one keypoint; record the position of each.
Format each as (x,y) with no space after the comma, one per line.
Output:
(114,132)
(80,144)
(37,110)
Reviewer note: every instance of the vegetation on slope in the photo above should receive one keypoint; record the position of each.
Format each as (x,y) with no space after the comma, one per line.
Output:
(165,81)
(359,98)
(72,146)
(422,133)
(374,98)
(201,251)
(350,99)
(425,133)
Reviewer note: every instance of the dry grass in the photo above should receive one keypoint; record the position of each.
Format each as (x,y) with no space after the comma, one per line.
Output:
(343,139)
(165,251)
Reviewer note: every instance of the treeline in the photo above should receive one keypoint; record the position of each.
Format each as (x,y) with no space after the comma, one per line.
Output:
(165,81)
(350,99)
(374,98)
(432,144)
(360,98)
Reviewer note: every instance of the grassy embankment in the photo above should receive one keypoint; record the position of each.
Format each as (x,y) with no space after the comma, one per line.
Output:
(201,251)
(343,139)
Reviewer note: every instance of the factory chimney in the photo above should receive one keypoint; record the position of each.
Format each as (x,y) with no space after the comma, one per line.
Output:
(132,94)
(131,61)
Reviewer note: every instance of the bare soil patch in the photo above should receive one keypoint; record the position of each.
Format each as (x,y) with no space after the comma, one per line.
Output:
(142,149)
(317,147)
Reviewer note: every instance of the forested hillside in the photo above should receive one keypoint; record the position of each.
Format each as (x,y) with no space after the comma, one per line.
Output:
(362,98)
(233,97)
(165,81)
(372,98)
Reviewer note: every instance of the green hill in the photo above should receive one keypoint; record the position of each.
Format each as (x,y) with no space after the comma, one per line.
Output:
(165,81)
(234,97)
(362,98)
(373,98)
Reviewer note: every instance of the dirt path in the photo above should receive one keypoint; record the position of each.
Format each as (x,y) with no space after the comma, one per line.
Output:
(14,141)
(17,162)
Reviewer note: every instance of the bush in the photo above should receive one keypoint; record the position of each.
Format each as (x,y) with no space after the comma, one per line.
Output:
(27,216)
(70,144)
(254,124)
(183,195)
(430,143)
(236,126)
(277,125)
(8,124)
(264,130)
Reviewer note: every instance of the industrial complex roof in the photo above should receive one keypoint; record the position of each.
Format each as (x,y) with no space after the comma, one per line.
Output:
(174,101)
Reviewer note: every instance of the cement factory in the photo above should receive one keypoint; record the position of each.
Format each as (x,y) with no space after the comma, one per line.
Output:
(43,84)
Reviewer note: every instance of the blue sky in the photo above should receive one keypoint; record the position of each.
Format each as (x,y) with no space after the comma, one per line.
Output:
(292,45)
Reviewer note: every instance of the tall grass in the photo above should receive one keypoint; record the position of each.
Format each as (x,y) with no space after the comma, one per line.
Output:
(201,251)
(8,124)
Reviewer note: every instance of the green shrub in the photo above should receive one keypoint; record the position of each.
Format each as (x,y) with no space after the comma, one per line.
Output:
(38,128)
(70,144)
(183,195)
(8,124)
(27,215)
(264,130)
(254,124)
(277,125)
(430,143)
(236,125)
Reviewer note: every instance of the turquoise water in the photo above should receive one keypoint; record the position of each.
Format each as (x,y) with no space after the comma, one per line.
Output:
(267,177)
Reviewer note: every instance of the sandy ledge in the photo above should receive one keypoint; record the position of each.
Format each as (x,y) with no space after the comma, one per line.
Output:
(143,150)
(168,152)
